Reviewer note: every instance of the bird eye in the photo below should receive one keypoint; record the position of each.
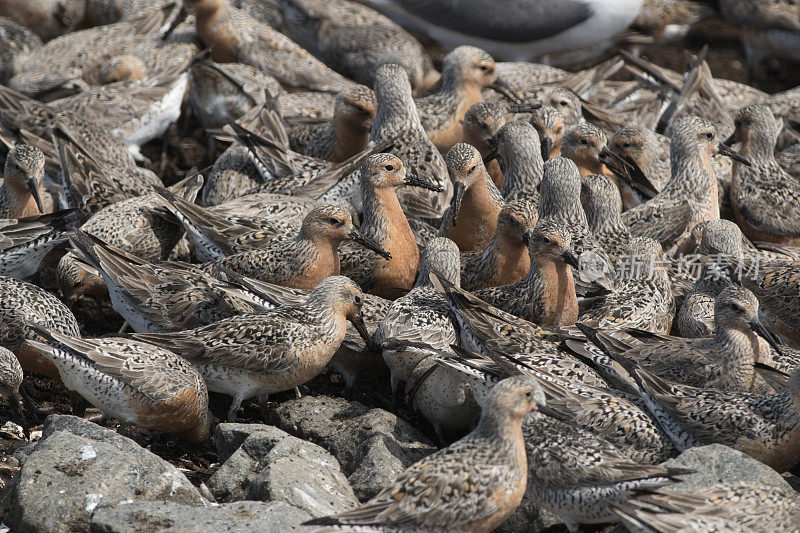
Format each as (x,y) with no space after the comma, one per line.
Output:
(584,141)
(626,145)
(472,169)
(563,103)
(357,300)
(484,68)
(546,240)
(528,395)
(389,167)
(709,135)
(736,308)
(335,221)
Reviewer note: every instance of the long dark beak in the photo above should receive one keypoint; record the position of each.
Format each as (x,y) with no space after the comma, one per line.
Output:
(503,88)
(179,18)
(615,163)
(493,153)
(31,183)
(759,327)
(357,236)
(726,150)
(571,259)
(414,181)
(547,147)
(730,140)
(458,194)
(358,323)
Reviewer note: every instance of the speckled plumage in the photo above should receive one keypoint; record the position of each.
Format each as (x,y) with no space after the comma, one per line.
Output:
(466,71)
(546,295)
(690,196)
(639,518)
(648,154)
(301,262)
(560,202)
(604,413)
(355,40)
(384,222)
(520,155)
(235,36)
(776,284)
(748,504)
(154,298)
(306,105)
(416,330)
(23,175)
(576,474)
(398,122)
(583,144)
(259,354)
(420,317)
(10,380)
(132,381)
(22,113)
(69,58)
(269,164)
(646,151)
(696,315)
(22,305)
(481,122)
(223,92)
(25,242)
(602,204)
(530,81)
(642,297)
(20,41)
(92,185)
(347,132)
(723,361)
(765,198)
(505,259)
(471,219)
(140,225)
(764,427)
(135,111)
(220,232)
(472,485)
(550,125)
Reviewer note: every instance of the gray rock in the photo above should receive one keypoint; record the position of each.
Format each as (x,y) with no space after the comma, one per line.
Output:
(271,465)
(242,517)
(528,517)
(78,466)
(717,463)
(229,436)
(372,445)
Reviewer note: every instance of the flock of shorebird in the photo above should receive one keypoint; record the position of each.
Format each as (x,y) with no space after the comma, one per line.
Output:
(585,267)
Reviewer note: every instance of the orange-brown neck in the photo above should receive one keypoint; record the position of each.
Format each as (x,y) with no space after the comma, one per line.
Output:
(215,32)
(559,301)
(399,273)
(512,259)
(450,133)
(477,218)
(19,201)
(351,137)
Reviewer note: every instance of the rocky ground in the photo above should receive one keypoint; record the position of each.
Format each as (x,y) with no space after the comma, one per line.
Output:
(316,455)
